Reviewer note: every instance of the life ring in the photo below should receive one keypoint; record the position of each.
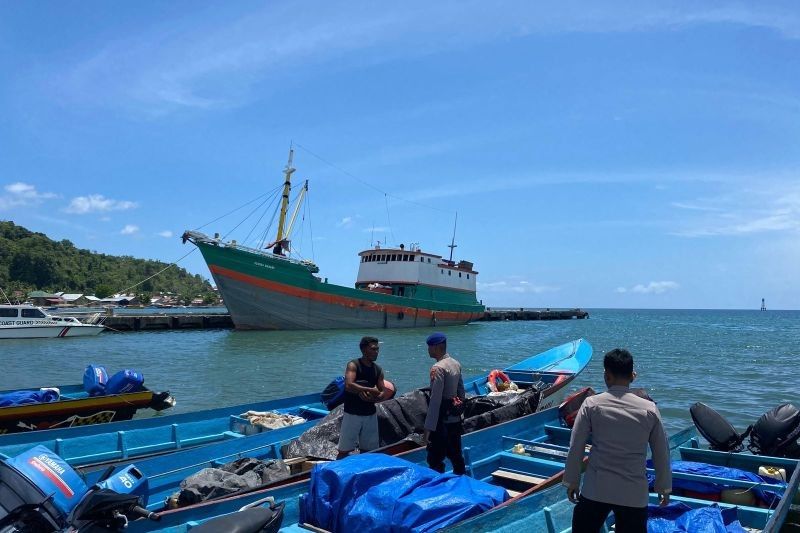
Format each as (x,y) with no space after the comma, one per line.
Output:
(494,375)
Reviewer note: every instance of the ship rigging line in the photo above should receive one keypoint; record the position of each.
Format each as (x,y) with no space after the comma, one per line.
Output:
(366,183)
(268,194)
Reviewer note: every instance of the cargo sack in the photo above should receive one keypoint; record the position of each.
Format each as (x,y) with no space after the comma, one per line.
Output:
(569,408)
(719,433)
(397,418)
(241,474)
(333,395)
(125,382)
(95,379)
(508,408)
(776,432)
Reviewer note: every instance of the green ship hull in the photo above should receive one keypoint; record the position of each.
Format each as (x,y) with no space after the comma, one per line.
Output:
(265,291)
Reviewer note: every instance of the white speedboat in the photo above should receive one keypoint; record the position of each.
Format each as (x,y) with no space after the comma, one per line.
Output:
(30,322)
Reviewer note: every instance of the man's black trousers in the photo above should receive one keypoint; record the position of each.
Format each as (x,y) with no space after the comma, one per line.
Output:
(589,515)
(446,442)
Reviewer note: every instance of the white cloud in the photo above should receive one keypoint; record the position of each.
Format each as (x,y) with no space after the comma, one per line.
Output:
(346,222)
(775,207)
(166,234)
(199,63)
(22,194)
(514,286)
(96,203)
(129,229)
(654,287)
(377,229)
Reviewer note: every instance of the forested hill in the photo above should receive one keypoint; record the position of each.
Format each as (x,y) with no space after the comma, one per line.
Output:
(30,261)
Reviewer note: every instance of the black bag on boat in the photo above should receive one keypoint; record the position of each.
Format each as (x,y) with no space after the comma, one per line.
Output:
(241,474)
(509,407)
(720,434)
(776,432)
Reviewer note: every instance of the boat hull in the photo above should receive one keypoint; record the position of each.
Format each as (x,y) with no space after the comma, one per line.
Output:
(269,306)
(264,291)
(48,332)
(70,413)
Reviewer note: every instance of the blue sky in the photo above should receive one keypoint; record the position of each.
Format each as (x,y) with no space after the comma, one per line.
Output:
(629,154)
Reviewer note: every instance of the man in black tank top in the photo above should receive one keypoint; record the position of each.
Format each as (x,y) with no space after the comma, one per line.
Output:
(363,385)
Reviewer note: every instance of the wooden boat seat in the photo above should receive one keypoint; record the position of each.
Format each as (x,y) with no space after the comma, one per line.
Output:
(513,493)
(516,476)
(557,431)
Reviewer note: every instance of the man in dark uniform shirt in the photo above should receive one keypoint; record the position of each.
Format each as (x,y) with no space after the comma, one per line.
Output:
(363,384)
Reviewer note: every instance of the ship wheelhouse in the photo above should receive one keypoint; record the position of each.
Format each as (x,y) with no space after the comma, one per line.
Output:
(415,274)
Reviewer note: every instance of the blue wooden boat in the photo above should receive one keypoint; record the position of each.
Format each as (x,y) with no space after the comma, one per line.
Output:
(550,511)
(556,368)
(124,442)
(88,446)
(525,456)
(483,452)
(74,407)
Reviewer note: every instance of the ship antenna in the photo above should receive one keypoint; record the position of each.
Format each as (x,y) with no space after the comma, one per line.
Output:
(453,241)
(287,186)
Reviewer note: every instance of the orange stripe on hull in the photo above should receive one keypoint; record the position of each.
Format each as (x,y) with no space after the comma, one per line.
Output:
(343,301)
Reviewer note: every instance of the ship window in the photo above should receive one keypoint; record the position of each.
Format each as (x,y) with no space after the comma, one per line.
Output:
(8,313)
(467,276)
(394,257)
(421,259)
(383,257)
(449,272)
(429,260)
(442,270)
(32,313)
(459,274)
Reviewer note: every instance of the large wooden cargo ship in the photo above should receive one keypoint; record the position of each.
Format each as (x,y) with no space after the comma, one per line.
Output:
(396,287)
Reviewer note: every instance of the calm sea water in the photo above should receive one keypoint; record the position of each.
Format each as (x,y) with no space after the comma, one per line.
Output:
(740,362)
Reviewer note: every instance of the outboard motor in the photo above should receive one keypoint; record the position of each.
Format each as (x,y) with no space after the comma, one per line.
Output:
(716,430)
(40,492)
(776,433)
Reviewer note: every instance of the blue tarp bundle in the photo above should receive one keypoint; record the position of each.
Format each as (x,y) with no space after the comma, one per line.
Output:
(762,491)
(679,517)
(26,397)
(369,492)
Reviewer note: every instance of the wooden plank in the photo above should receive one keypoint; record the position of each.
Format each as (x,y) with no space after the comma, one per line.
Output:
(513,493)
(514,476)
(309,527)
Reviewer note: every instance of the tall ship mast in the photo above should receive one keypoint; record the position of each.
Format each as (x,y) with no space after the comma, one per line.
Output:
(395,288)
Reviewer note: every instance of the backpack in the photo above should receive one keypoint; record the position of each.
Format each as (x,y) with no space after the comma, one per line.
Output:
(722,436)
(333,395)
(776,432)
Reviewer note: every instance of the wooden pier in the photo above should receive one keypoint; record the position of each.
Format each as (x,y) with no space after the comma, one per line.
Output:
(521,313)
(164,322)
(218,321)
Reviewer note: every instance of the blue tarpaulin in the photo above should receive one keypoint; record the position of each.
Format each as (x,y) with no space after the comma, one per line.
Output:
(767,489)
(27,397)
(679,518)
(369,492)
